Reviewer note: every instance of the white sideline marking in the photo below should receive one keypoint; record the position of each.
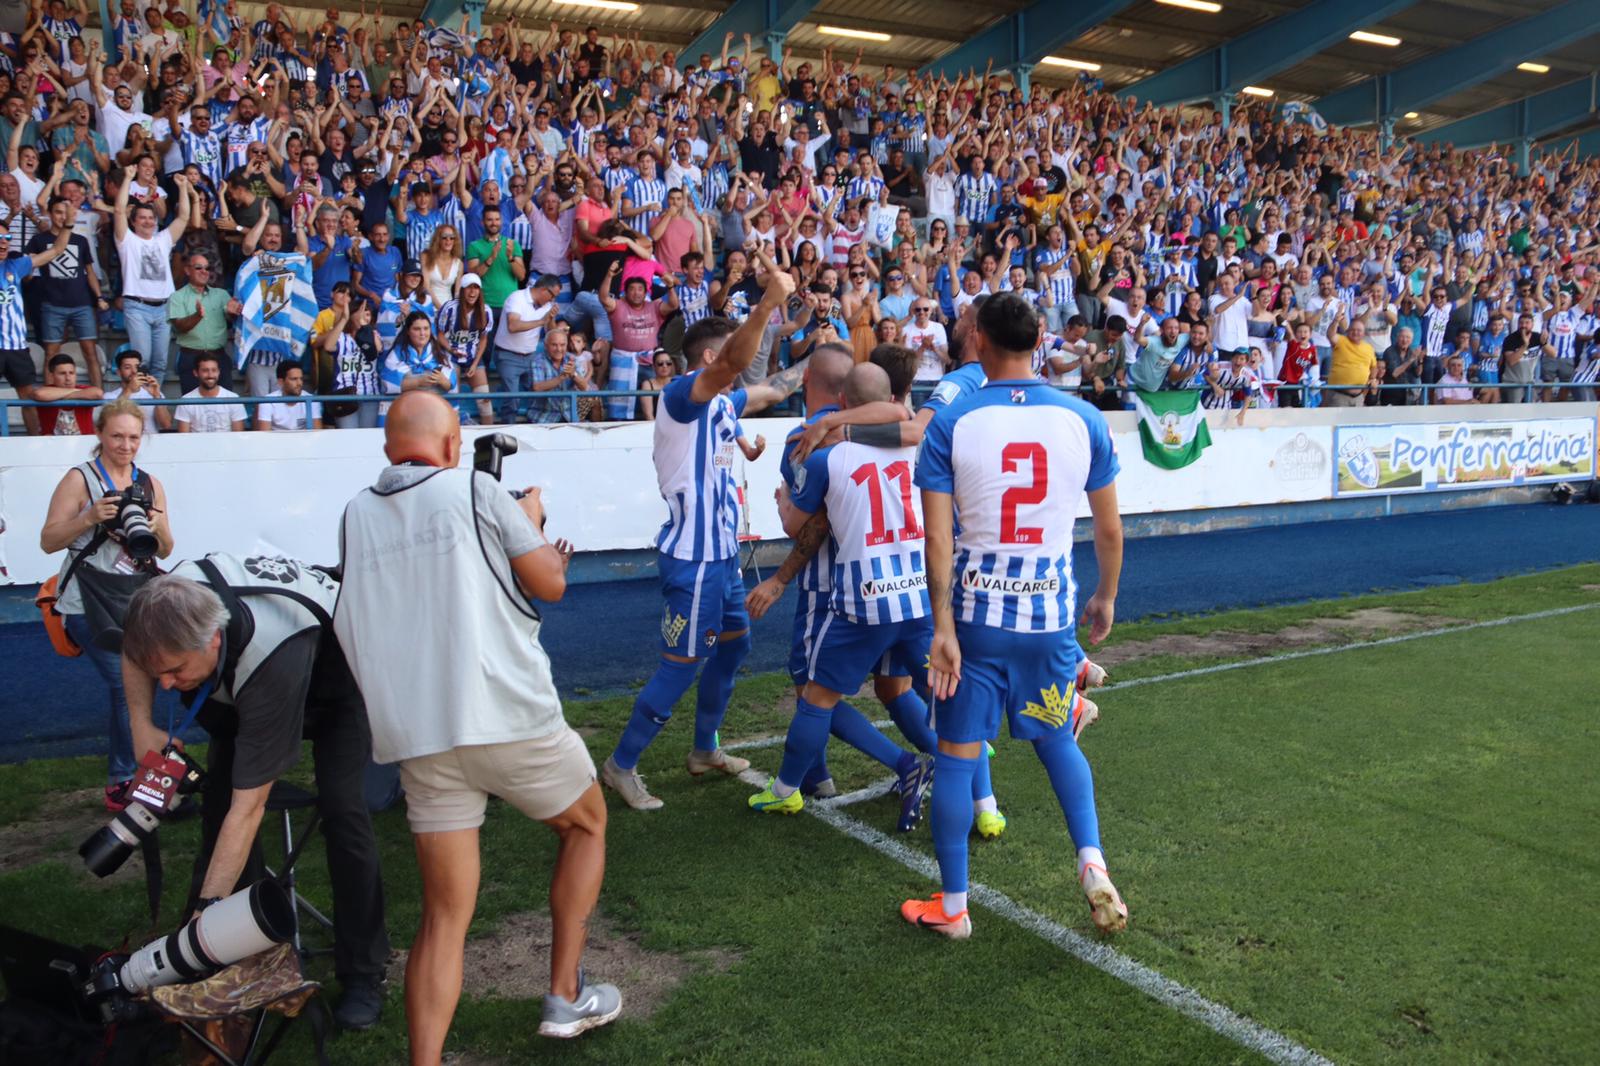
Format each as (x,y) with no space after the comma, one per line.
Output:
(1359,645)
(1186,1001)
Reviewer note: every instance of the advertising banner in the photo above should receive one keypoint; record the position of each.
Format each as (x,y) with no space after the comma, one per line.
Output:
(1429,456)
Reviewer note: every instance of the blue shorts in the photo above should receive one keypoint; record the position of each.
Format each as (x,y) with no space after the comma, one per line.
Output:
(704,598)
(847,652)
(53,323)
(809,614)
(1031,676)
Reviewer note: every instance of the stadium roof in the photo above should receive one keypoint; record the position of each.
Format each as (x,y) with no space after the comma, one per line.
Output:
(1474,45)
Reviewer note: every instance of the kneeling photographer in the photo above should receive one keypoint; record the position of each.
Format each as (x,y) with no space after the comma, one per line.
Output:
(473,713)
(111,518)
(250,642)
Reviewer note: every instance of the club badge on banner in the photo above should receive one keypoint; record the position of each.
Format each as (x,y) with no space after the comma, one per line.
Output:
(1424,457)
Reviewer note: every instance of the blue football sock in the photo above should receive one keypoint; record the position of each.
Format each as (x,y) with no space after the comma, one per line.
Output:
(952,817)
(1074,785)
(852,727)
(910,714)
(652,709)
(716,685)
(808,735)
(818,773)
(982,784)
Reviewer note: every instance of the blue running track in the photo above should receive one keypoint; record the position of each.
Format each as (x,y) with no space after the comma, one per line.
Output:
(51,706)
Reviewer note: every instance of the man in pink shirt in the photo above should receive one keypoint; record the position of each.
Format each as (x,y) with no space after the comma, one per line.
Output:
(676,232)
(635,326)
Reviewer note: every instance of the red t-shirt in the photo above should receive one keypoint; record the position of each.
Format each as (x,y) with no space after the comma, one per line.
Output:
(593,214)
(1296,361)
(81,424)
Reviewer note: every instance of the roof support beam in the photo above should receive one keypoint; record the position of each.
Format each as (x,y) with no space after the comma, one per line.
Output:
(1529,119)
(768,20)
(1022,39)
(1414,87)
(1259,53)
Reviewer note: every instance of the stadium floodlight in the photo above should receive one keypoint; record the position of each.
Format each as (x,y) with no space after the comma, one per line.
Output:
(860,35)
(1367,37)
(1075,64)
(1534,68)
(609,5)
(1256,90)
(1412,115)
(1194,5)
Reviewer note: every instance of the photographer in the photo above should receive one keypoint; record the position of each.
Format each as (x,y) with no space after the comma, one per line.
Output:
(477,714)
(84,520)
(251,641)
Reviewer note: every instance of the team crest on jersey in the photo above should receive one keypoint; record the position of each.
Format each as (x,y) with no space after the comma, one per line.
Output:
(1019,395)
(1055,711)
(711,638)
(672,626)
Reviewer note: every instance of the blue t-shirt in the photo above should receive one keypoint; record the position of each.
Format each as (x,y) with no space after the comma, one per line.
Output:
(379,270)
(334,269)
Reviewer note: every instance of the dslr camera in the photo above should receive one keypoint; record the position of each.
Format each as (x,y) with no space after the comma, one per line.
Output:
(165,777)
(132,521)
(489,452)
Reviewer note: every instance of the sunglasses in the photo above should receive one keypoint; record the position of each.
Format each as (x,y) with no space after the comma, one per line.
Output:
(897,277)
(857,274)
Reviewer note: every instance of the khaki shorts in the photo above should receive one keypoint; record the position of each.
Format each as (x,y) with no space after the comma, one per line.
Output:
(540,777)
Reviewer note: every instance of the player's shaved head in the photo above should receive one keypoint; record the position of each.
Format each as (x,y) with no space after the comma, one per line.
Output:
(422,426)
(826,370)
(866,383)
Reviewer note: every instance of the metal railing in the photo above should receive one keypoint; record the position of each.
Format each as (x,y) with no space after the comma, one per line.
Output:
(571,397)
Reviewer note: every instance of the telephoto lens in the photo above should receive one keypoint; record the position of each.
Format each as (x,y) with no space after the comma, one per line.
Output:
(109,846)
(133,522)
(246,923)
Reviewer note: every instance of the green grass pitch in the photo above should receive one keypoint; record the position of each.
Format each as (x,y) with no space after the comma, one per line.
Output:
(1387,854)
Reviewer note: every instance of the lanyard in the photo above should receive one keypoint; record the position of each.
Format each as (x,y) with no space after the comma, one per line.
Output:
(201,694)
(105,478)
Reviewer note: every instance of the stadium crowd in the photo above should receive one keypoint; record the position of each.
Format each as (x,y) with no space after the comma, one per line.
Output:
(539,210)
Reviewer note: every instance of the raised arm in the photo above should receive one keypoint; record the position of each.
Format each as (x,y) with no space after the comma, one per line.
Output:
(739,351)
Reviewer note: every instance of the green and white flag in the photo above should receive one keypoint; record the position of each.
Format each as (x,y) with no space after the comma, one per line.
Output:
(1172,427)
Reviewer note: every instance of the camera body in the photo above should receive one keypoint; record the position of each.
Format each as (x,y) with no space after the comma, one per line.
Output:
(488,455)
(163,780)
(132,521)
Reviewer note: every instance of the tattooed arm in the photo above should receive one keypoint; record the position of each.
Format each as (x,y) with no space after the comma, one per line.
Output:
(775,389)
(807,540)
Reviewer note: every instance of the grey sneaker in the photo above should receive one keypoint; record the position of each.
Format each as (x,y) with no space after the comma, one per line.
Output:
(629,785)
(700,762)
(596,1005)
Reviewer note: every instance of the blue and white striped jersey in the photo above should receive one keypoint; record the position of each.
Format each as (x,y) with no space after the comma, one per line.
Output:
(203,150)
(1562,328)
(694,456)
(13,320)
(876,515)
(974,196)
(818,573)
(1017,457)
(619,177)
(694,301)
(641,192)
(239,136)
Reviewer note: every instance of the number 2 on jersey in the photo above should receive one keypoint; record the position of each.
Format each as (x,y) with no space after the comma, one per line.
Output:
(1012,458)
(869,476)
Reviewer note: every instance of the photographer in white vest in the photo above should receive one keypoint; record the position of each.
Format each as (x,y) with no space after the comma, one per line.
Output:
(474,712)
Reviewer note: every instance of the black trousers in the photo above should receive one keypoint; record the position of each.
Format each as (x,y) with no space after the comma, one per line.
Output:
(341,747)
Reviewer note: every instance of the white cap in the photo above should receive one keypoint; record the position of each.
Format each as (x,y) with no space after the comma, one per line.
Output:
(471,279)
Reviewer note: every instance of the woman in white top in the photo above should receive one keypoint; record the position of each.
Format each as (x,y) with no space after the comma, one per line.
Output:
(441,265)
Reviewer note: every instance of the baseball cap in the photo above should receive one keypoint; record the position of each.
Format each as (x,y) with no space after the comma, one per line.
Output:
(1243,349)
(471,279)
(547,281)
(411,266)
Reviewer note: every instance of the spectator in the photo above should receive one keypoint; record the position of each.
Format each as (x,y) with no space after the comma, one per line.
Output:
(417,360)
(1354,367)
(199,314)
(928,340)
(1453,382)
(1401,362)
(635,328)
(442,265)
(523,319)
(209,417)
(146,255)
(353,343)
(496,260)
(665,369)
(289,417)
(135,384)
(69,291)
(1519,361)
(330,256)
(61,383)
(465,326)
(16,361)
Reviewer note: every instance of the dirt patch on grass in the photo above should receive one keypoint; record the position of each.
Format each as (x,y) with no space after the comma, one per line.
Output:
(1318,632)
(513,962)
(54,831)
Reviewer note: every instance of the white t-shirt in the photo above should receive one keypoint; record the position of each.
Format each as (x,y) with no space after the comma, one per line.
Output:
(115,122)
(286,416)
(146,265)
(210,417)
(150,426)
(930,365)
(941,195)
(520,303)
(1233,325)
(31,187)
